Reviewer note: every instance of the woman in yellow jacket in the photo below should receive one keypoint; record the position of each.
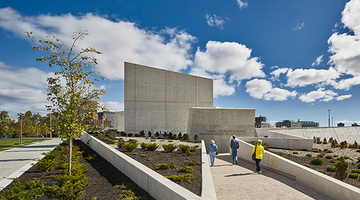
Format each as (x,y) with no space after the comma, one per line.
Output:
(258,155)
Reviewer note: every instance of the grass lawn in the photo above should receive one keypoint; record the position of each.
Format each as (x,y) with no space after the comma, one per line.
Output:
(14,142)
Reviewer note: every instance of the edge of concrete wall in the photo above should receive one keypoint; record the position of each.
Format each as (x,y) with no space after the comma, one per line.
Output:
(155,184)
(317,181)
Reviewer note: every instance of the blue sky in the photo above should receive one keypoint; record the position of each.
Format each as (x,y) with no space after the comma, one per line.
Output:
(287,59)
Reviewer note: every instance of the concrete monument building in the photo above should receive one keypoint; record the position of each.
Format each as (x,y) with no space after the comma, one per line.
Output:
(157,99)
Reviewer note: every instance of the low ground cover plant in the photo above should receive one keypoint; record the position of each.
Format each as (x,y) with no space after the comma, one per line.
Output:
(317,161)
(162,166)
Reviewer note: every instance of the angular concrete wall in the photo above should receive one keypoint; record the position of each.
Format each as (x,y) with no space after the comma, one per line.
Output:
(349,134)
(157,99)
(220,123)
(317,181)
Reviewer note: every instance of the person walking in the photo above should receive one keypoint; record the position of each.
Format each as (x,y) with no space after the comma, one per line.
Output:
(259,152)
(234,144)
(212,149)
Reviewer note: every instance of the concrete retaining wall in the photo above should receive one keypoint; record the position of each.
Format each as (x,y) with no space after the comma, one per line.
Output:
(155,184)
(317,181)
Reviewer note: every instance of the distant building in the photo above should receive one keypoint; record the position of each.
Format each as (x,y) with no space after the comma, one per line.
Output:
(298,124)
(99,120)
(340,124)
(116,118)
(261,122)
(305,124)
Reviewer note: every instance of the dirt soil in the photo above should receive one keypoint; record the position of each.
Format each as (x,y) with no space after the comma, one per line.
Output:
(302,159)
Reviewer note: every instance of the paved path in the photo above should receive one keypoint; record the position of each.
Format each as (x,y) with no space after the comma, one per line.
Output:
(241,182)
(16,161)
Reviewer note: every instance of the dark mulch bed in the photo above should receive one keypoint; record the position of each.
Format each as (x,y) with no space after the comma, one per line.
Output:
(101,174)
(151,158)
(306,160)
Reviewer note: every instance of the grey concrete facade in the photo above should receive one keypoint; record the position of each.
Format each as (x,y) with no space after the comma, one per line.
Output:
(157,99)
(117,119)
(220,123)
(349,134)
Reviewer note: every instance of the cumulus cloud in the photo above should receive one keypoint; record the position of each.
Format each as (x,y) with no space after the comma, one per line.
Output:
(114,105)
(262,89)
(345,48)
(320,94)
(227,59)
(299,26)
(213,20)
(242,4)
(342,97)
(317,61)
(304,77)
(276,73)
(118,41)
(23,89)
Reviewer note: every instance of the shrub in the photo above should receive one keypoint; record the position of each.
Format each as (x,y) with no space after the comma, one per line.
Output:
(309,155)
(324,141)
(91,157)
(186,169)
(329,157)
(351,146)
(183,148)
(123,134)
(346,157)
(307,165)
(131,146)
(318,142)
(353,175)
(322,171)
(170,141)
(315,150)
(265,145)
(121,144)
(355,171)
(288,156)
(181,178)
(45,165)
(355,145)
(142,155)
(333,160)
(152,140)
(137,135)
(162,166)
(358,150)
(170,136)
(329,151)
(169,147)
(149,133)
(135,153)
(27,190)
(317,161)
(142,133)
(157,134)
(180,136)
(358,166)
(186,136)
(152,147)
(342,167)
(165,135)
(343,145)
(281,153)
(325,150)
(321,155)
(331,139)
(150,159)
(188,140)
(174,137)
(128,192)
(197,141)
(192,162)
(331,168)
(295,152)
(130,134)
(143,145)
(196,137)
(335,156)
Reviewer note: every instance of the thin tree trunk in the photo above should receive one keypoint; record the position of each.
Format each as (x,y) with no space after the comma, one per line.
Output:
(70,154)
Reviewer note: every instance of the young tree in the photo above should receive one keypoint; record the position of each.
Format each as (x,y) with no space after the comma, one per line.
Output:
(70,91)
(4,123)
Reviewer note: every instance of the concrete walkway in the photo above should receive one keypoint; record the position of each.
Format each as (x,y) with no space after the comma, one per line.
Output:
(17,160)
(241,182)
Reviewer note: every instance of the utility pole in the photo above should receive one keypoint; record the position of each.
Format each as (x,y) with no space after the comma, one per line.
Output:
(329,117)
(21,131)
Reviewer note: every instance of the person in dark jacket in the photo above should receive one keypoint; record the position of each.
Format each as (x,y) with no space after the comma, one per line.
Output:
(234,144)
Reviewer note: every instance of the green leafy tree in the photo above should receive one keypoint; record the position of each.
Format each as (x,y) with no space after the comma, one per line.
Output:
(70,90)
(4,123)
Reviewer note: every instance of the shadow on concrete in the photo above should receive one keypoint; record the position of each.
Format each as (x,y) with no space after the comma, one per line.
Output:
(16,160)
(278,176)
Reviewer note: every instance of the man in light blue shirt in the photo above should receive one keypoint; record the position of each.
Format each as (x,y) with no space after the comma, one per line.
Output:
(234,144)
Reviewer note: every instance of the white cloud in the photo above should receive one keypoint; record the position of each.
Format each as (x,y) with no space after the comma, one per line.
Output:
(321,93)
(299,26)
(114,105)
(318,61)
(262,89)
(242,4)
(342,97)
(276,73)
(229,58)
(118,41)
(346,84)
(213,20)
(22,89)
(345,48)
(304,77)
